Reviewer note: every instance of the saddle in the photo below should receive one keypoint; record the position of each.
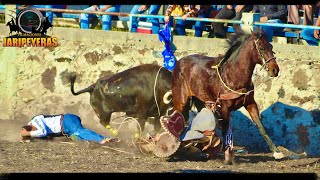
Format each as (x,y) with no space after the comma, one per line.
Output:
(174,125)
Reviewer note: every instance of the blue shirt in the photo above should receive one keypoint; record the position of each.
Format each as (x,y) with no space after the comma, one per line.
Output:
(272,11)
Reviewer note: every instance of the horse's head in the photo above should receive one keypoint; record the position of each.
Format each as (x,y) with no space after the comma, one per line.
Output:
(8,23)
(265,54)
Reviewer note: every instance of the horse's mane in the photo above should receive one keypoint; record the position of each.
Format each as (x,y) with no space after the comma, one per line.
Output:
(235,42)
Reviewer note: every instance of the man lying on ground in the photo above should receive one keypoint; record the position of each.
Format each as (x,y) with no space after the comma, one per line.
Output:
(64,124)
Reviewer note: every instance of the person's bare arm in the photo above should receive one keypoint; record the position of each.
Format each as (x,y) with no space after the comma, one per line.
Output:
(104,8)
(34,133)
(143,7)
(229,7)
(95,7)
(239,8)
(317,32)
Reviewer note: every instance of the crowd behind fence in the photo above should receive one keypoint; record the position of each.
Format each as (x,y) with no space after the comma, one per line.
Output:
(130,16)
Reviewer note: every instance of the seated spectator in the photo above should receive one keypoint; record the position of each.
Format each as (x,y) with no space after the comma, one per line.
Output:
(293,14)
(184,11)
(140,9)
(106,19)
(271,14)
(63,124)
(51,14)
(233,12)
(215,9)
(310,35)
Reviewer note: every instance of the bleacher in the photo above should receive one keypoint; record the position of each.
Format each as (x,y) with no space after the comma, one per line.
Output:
(123,22)
(2,8)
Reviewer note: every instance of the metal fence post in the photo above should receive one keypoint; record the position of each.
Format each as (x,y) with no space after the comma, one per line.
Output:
(248,19)
(10,12)
(130,22)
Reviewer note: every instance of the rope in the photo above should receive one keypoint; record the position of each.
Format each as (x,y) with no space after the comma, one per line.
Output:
(217,68)
(128,120)
(116,149)
(154,90)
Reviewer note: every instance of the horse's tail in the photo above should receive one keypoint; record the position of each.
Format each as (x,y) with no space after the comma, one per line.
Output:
(88,89)
(166,96)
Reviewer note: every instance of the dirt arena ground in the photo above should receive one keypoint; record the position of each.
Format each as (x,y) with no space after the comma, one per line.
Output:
(60,155)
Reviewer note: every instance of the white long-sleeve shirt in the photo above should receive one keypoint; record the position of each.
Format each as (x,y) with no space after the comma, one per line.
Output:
(205,120)
(45,125)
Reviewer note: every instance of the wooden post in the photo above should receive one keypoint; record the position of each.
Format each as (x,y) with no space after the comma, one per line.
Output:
(248,19)
(10,12)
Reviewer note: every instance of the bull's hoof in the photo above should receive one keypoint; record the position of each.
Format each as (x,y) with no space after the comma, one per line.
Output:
(278,155)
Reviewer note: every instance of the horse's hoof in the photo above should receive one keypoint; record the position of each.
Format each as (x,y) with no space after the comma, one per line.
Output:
(278,155)
(228,162)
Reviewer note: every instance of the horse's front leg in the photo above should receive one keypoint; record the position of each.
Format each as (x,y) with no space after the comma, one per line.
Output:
(227,138)
(254,113)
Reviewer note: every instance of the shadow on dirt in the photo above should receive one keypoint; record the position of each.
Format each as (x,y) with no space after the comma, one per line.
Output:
(200,171)
(256,159)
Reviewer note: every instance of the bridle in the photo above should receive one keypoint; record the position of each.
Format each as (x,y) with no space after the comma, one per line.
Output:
(265,62)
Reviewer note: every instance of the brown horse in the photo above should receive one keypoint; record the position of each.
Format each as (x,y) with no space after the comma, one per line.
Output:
(227,81)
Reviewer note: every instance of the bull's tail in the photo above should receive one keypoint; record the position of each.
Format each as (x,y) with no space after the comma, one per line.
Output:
(166,96)
(88,89)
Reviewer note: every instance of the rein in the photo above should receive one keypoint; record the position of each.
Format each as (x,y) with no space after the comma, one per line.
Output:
(224,84)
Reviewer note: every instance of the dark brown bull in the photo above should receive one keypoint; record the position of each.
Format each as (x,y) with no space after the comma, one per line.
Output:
(137,91)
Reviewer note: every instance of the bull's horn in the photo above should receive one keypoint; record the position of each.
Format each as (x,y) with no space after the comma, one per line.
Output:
(166,99)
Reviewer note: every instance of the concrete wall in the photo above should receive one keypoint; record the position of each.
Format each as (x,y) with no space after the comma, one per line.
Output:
(33,81)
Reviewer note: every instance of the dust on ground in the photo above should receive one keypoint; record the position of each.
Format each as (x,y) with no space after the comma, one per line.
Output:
(65,156)
(60,154)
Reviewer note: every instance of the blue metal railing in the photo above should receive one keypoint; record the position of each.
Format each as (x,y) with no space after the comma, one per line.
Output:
(287,25)
(228,21)
(189,18)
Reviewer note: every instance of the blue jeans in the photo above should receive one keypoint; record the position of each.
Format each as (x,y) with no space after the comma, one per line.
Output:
(50,14)
(106,19)
(181,26)
(268,30)
(153,10)
(72,126)
(308,35)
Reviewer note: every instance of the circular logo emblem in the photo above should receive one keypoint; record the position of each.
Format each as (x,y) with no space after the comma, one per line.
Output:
(30,20)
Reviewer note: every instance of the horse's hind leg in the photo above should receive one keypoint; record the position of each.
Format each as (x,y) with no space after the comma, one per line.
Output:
(254,113)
